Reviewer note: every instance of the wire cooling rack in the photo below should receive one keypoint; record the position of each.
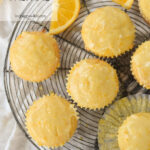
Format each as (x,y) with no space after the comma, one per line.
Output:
(21,94)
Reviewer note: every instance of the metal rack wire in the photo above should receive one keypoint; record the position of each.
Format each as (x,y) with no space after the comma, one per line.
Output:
(21,94)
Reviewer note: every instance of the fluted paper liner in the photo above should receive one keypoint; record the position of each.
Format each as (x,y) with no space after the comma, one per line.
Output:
(114,117)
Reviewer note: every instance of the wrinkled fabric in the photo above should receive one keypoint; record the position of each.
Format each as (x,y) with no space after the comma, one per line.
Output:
(11,137)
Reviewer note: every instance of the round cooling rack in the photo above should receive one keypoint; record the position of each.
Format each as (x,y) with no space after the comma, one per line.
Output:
(21,94)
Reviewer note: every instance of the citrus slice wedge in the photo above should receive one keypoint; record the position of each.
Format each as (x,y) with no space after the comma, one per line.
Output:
(124,3)
(64,13)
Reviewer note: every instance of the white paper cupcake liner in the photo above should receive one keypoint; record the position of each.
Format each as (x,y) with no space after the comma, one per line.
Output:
(115,115)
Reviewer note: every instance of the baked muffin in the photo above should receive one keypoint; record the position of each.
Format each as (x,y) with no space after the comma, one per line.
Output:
(51,121)
(140,64)
(108,32)
(144,6)
(134,132)
(93,83)
(34,56)
(113,118)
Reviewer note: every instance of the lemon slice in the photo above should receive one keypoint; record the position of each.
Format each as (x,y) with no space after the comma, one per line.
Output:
(64,13)
(124,3)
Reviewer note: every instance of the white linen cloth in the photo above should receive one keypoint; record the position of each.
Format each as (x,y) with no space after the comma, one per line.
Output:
(11,137)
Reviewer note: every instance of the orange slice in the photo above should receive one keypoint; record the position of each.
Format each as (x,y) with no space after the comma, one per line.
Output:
(124,3)
(64,13)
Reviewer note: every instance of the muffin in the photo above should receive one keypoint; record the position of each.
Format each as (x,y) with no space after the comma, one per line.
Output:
(51,121)
(108,32)
(140,64)
(144,6)
(34,56)
(134,132)
(93,83)
(114,117)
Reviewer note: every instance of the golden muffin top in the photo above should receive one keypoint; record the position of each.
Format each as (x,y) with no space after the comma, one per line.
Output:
(92,83)
(51,121)
(34,56)
(144,6)
(108,32)
(140,64)
(134,133)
